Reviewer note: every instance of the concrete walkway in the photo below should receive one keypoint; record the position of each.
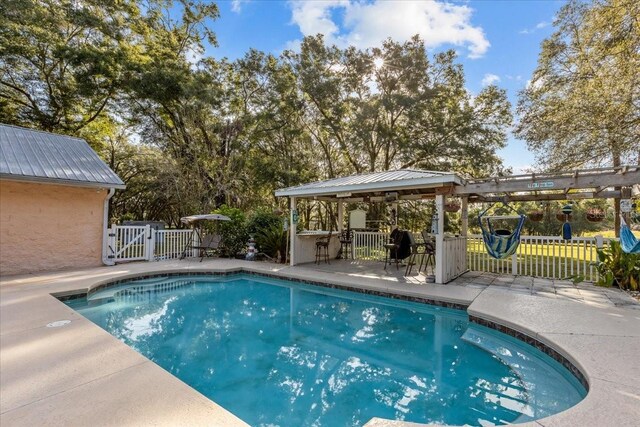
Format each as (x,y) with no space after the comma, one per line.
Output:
(78,374)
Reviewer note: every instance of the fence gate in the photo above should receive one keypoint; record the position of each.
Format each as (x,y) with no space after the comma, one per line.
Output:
(131,243)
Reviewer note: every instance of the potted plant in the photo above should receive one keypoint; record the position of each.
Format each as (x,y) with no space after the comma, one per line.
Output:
(452,206)
(594,215)
(536,215)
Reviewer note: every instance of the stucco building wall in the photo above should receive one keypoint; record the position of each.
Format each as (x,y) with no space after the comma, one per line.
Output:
(49,227)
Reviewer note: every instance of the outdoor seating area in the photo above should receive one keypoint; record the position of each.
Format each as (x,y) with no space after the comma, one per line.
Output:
(452,255)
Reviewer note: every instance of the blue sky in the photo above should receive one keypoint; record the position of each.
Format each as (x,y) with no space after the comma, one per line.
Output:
(497,41)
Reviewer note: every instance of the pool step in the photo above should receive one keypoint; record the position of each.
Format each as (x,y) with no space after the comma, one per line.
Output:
(149,286)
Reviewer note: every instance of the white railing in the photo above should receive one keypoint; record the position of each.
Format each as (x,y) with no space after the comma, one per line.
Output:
(143,243)
(540,256)
(369,245)
(455,255)
(171,243)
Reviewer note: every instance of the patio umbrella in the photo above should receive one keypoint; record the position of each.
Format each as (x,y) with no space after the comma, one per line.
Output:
(203,217)
(195,221)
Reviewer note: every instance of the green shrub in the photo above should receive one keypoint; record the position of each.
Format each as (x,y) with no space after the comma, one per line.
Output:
(273,240)
(617,267)
(261,220)
(234,233)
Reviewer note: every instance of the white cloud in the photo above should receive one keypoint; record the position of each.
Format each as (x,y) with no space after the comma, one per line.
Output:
(538,26)
(315,16)
(367,24)
(236,5)
(490,79)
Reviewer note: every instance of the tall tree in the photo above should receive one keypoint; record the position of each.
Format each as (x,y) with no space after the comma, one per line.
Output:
(62,62)
(582,106)
(392,107)
(65,63)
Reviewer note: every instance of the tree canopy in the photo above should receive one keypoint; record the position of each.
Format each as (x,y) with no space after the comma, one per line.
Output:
(582,106)
(191,133)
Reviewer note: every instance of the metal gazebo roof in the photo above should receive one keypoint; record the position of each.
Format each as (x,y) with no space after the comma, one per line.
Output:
(404,180)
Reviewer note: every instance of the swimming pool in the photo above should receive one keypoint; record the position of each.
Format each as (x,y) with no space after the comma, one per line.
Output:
(277,352)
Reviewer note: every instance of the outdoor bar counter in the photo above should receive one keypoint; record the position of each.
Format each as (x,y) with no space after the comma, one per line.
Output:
(306,245)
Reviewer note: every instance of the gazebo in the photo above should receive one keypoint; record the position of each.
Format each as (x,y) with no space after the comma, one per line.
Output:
(410,184)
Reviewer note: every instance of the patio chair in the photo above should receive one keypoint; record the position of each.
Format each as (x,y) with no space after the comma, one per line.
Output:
(322,248)
(210,244)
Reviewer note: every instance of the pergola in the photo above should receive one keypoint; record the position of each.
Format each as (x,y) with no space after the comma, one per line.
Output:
(410,184)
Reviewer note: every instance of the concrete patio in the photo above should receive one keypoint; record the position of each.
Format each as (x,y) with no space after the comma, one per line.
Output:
(585,292)
(80,375)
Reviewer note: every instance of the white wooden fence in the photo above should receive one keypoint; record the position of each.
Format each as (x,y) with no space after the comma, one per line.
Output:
(369,245)
(169,244)
(143,243)
(540,256)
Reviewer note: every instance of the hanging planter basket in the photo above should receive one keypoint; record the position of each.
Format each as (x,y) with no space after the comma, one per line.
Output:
(594,215)
(535,216)
(561,217)
(452,207)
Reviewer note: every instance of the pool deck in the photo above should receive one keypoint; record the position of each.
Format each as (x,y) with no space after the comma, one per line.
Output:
(79,374)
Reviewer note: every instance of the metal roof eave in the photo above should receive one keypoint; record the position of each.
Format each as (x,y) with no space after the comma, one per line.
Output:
(57,181)
(375,187)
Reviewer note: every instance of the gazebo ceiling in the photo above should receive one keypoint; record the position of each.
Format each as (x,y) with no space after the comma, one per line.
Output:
(412,184)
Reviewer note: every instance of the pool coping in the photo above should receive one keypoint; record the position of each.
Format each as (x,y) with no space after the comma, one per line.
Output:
(614,393)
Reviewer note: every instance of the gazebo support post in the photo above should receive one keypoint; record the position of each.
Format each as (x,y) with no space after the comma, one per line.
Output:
(464,217)
(440,267)
(292,231)
(340,216)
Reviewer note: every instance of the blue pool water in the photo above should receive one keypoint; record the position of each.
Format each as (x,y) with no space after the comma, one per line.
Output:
(281,353)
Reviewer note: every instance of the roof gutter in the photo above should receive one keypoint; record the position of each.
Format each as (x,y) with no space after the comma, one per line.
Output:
(59,181)
(106,260)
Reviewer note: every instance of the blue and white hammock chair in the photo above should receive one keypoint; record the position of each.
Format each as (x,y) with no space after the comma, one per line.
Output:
(630,243)
(500,243)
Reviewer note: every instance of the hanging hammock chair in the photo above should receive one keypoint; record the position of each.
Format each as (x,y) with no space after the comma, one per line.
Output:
(630,243)
(500,243)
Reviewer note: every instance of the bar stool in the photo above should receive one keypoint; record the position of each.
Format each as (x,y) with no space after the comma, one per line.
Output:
(393,248)
(416,249)
(322,248)
(430,256)
(430,251)
(346,242)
